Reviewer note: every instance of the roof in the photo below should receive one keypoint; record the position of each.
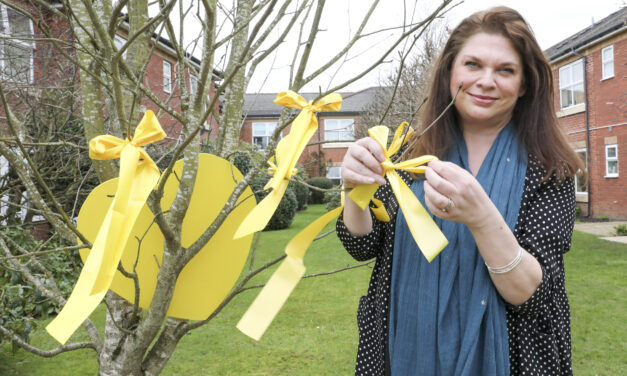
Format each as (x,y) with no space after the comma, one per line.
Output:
(614,22)
(261,105)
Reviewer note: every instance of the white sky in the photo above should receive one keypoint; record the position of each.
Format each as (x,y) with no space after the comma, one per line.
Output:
(551,20)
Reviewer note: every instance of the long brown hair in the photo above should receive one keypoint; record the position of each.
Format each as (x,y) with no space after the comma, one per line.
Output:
(534,114)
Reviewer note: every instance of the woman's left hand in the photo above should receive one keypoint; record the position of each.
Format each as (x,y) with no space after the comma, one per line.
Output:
(453,193)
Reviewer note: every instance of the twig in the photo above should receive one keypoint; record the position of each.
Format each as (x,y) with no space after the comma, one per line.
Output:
(40,253)
(45,353)
(416,138)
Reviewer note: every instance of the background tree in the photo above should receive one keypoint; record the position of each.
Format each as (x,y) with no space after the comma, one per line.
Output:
(236,38)
(401,94)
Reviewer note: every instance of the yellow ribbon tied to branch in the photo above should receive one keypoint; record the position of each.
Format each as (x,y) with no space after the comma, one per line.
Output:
(138,176)
(287,154)
(425,232)
(266,306)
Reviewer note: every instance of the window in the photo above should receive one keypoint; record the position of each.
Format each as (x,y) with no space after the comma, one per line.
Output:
(193,84)
(167,76)
(16,46)
(334,173)
(611,161)
(571,84)
(338,130)
(262,133)
(118,41)
(607,60)
(581,185)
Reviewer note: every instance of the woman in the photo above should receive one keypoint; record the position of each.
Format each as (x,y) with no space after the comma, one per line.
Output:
(493,301)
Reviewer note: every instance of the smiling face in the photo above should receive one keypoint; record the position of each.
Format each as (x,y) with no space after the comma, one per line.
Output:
(491,72)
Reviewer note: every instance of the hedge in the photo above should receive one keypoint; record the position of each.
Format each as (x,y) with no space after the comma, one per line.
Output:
(286,210)
(317,197)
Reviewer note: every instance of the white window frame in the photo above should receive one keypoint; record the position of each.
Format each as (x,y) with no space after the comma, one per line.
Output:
(28,45)
(193,84)
(334,173)
(611,159)
(607,72)
(119,41)
(167,76)
(576,178)
(342,129)
(269,127)
(566,82)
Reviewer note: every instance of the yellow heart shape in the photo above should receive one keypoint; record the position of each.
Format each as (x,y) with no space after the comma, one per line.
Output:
(210,275)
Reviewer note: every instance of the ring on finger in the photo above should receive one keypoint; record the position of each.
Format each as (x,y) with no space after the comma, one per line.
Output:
(449,206)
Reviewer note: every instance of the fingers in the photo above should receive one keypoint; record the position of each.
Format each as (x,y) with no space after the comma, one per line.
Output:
(442,177)
(362,163)
(435,200)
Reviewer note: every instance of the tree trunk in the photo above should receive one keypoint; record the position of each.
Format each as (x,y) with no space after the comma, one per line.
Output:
(228,138)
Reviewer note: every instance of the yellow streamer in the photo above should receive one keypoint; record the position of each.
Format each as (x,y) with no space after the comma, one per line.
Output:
(138,176)
(287,154)
(426,233)
(266,306)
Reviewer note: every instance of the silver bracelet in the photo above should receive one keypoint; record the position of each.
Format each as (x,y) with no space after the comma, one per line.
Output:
(509,266)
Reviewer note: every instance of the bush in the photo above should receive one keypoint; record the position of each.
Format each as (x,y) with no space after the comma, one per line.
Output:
(301,190)
(578,211)
(332,199)
(21,304)
(286,210)
(621,230)
(317,197)
(242,162)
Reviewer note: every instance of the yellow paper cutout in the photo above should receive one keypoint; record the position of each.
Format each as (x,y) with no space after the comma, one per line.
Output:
(210,275)
(137,179)
(287,154)
(425,232)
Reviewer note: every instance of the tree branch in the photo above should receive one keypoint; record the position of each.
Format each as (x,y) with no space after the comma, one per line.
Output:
(45,353)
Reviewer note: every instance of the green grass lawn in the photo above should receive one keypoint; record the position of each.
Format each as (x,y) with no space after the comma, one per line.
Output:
(315,333)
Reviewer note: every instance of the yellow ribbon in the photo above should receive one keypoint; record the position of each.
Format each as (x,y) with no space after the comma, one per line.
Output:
(287,154)
(138,176)
(266,306)
(426,233)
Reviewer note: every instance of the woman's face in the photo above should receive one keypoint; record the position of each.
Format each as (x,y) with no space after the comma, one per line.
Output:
(491,73)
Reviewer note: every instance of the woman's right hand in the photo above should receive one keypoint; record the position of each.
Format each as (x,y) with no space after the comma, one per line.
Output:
(362,163)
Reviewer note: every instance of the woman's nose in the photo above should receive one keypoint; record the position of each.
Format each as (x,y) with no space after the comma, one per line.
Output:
(486,79)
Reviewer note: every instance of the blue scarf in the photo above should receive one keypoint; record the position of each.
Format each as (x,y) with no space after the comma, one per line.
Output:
(446,317)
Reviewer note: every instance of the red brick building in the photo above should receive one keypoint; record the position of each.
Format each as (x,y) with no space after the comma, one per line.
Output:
(33,71)
(336,130)
(590,73)
(28,62)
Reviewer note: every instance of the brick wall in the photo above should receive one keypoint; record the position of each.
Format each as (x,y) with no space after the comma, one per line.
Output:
(607,111)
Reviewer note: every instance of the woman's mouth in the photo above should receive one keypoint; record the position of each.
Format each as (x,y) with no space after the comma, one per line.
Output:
(483,100)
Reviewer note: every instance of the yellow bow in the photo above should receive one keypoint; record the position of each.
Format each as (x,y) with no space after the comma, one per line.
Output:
(278,288)
(138,176)
(426,233)
(288,152)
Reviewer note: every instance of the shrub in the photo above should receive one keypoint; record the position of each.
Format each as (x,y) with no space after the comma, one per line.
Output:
(286,210)
(317,197)
(242,162)
(621,230)
(21,304)
(578,211)
(332,199)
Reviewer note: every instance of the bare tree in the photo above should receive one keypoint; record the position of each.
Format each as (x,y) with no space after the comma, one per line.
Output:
(114,84)
(402,93)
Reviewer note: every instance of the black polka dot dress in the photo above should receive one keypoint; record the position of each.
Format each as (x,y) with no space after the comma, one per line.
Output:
(538,330)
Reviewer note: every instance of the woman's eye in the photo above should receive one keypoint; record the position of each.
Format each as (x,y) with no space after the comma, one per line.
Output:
(508,70)
(471,64)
